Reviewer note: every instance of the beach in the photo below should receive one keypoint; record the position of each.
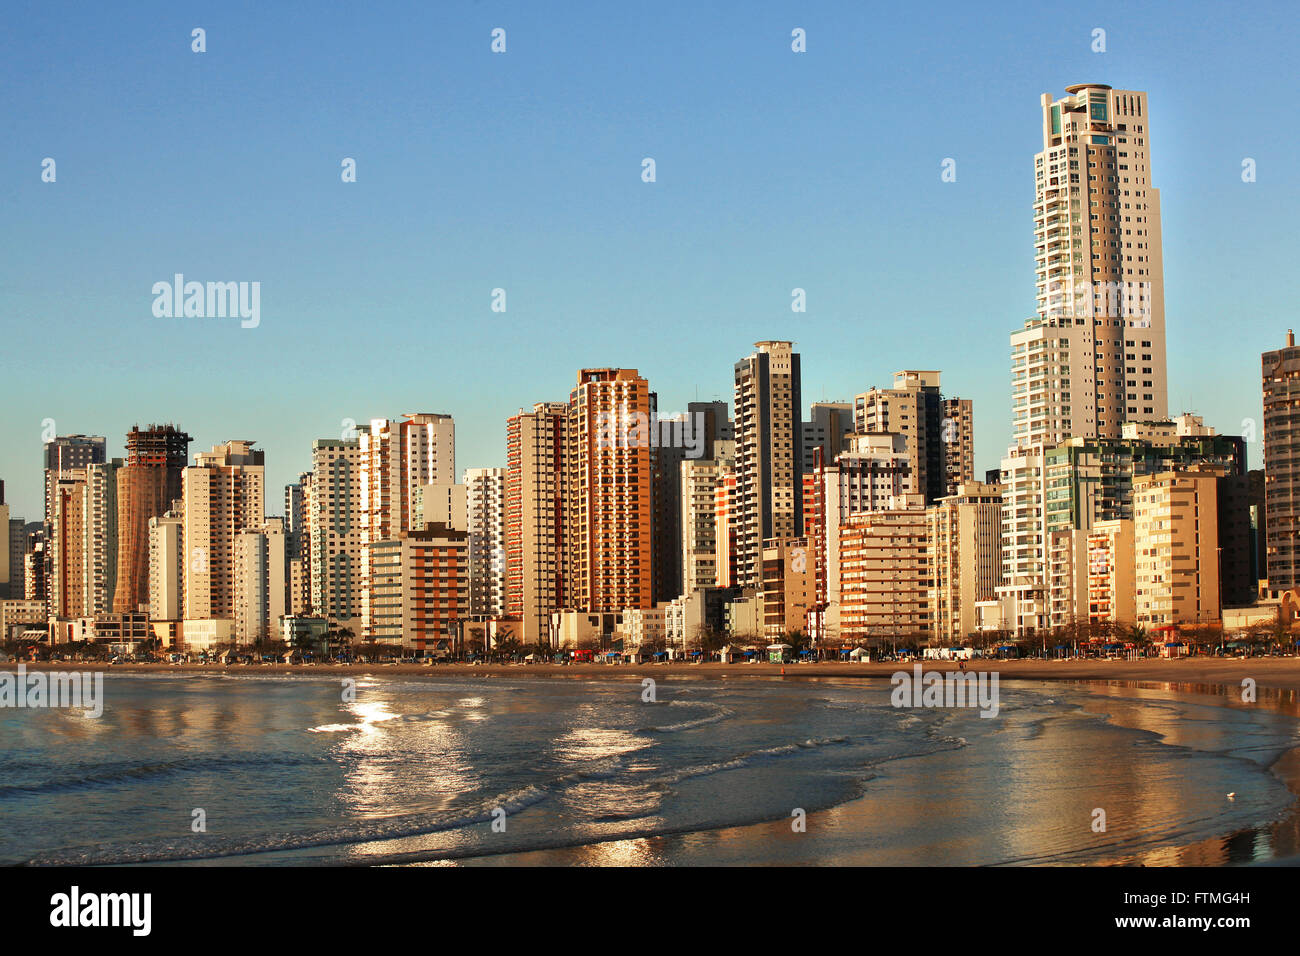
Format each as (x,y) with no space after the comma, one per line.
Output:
(1277,673)
(412,771)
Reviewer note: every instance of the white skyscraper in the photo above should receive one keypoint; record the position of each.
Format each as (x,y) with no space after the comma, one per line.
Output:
(1094,355)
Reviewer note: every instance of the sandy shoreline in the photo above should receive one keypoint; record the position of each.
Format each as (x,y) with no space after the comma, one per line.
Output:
(1277,673)
(1278,680)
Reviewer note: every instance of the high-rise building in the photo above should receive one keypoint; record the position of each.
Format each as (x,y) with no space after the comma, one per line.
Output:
(419,589)
(725,527)
(332,501)
(965,541)
(678,438)
(769,453)
(6,558)
(223,494)
(1094,355)
(610,498)
(146,486)
(957,435)
(297,545)
(1176,544)
(1074,484)
(885,574)
(100,541)
(828,427)
(700,480)
(397,457)
(167,564)
(939,431)
(261,589)
(1281,375)
(873,473)
(68,452)
(788,589)
(442,503)
(1111,583)
(66,521)
(537,531)
(486,517)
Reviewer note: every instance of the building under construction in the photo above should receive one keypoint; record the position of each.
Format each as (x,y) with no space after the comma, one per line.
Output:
(146,487)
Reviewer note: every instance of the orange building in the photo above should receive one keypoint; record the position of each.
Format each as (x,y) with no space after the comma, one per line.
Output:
(610,466)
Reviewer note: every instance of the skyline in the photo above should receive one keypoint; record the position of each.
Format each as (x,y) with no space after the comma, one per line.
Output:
(780,193)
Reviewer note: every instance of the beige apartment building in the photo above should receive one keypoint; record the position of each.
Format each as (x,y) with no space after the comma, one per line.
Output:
(788,587)
(938,432)
(167,564)
(397,458)
(261,586)
(700,481)
(769,452)
(1176,545)
(965,542)
(609,504)
(536,524)
(1112,580)
(886,574)
(223,494)
(83,540)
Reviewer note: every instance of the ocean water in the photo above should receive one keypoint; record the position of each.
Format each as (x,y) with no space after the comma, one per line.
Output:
(580,771)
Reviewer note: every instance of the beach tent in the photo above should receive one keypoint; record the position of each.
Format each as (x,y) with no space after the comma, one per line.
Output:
(860,654)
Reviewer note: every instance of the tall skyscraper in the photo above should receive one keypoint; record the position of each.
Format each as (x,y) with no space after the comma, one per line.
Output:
(1094,355)
(332,502)
(536,536)
(769,451)
(485,494)
(1281,375)
(146,486)
(611,559)
(224,494)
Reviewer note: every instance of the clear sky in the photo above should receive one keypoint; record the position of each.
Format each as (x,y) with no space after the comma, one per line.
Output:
(522,171)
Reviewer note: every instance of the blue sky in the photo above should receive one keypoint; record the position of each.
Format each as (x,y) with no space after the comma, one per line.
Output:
(476,170)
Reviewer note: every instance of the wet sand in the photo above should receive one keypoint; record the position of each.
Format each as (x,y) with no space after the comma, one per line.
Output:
(1277,673)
